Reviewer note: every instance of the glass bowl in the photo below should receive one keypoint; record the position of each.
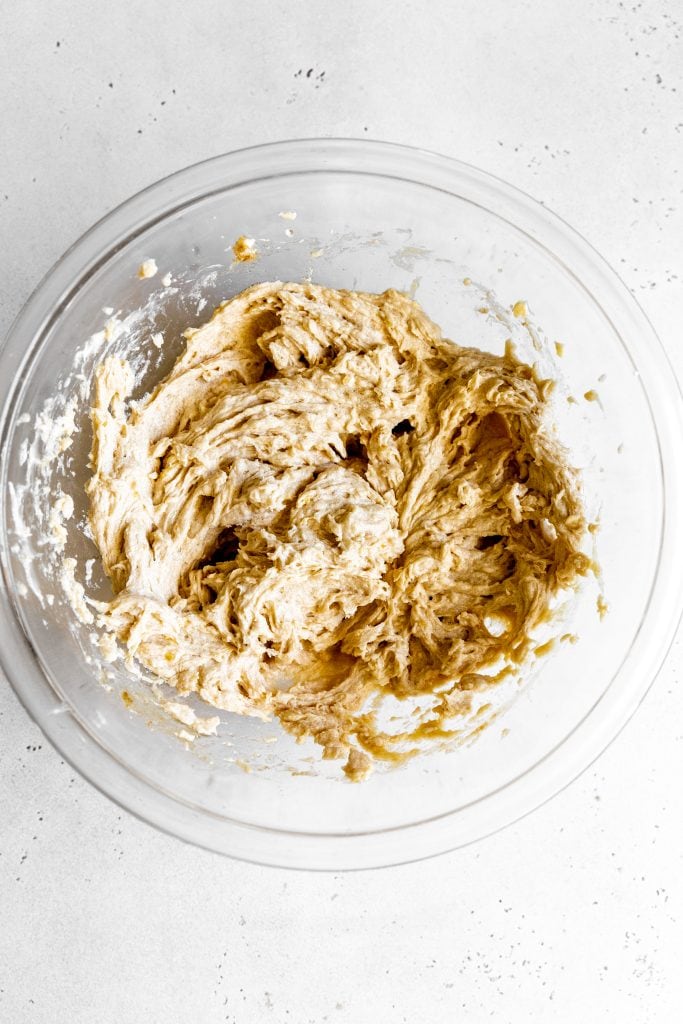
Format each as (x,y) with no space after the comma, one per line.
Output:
(368,216)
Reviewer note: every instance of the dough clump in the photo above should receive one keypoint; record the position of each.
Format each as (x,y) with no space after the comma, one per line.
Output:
(325,501)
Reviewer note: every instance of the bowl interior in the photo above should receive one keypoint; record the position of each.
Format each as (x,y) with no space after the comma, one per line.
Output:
(354,229)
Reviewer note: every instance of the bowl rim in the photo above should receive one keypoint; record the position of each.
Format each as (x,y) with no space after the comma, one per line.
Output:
(559,766)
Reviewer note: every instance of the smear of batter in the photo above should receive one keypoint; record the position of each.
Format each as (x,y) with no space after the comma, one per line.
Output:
(244,249)
(326,500)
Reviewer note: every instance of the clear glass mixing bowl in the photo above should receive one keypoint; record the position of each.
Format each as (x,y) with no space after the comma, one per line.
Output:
(369,216)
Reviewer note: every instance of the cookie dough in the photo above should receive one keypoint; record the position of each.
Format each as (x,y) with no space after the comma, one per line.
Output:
(324,501)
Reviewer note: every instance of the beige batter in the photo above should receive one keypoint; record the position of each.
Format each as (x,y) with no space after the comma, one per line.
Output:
(325,500)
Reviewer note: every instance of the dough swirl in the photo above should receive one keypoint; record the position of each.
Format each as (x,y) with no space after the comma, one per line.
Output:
(325,499)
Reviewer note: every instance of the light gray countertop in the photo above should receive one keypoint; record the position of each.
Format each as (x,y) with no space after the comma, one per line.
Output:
(573,914)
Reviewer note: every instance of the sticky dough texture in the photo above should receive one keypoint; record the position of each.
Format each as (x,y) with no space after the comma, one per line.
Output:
(324,499)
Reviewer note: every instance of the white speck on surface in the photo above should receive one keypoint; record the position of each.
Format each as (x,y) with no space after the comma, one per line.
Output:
(64,505)
(183,713)
(166,280)
(158,339)
(111,328)
(75,592)
(148,268)
(57,529)
(108,647)
(287,214)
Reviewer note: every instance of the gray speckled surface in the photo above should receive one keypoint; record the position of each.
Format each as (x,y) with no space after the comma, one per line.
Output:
(574,913)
